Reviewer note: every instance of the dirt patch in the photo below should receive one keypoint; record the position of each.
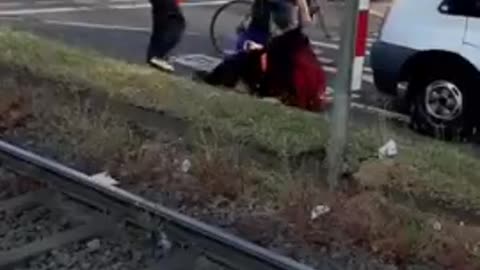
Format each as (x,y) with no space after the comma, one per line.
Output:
(223,185)
(265,193)
(226,193)
(14,111)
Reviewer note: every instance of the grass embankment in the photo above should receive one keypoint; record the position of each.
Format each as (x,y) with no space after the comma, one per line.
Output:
(424,172)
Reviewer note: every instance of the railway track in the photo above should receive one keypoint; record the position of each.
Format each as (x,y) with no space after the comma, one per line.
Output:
(54,217)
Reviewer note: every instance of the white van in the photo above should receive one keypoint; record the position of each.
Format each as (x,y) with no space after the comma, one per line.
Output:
(434,47)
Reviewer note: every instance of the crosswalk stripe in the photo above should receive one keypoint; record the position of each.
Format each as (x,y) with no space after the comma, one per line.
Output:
(333,46)
(325,60)
(324,44)
(317,51)
(98,26)
(28,11)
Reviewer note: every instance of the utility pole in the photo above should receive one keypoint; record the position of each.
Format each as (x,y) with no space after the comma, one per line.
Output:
(350,67)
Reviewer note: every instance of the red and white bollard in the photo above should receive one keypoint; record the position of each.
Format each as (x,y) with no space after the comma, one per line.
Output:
(360,44)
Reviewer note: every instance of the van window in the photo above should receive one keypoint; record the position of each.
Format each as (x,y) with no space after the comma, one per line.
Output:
(470,8)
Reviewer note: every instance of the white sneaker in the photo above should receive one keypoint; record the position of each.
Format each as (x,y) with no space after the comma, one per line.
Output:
(161,64)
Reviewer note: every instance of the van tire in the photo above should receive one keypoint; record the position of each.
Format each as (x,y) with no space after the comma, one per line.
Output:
(424,120)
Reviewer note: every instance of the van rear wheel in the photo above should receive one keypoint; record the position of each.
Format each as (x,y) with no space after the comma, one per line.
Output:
(439,105)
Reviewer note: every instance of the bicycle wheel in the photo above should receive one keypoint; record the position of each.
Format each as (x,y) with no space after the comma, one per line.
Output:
(226,22)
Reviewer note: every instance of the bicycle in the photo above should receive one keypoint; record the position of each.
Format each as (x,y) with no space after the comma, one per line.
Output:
(242,9)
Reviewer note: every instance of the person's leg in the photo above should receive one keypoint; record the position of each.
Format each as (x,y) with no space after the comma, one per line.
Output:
(228,72)
(172,29)
(260,20)
(283,13)
(154,35)
(167,30)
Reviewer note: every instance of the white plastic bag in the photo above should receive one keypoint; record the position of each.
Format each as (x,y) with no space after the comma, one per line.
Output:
(389,150)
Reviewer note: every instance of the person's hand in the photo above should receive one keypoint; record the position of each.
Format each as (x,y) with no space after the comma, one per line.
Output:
(305,15)
(251,45)
(307,19)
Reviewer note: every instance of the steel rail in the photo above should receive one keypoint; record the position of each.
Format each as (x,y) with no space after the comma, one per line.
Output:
(229,249)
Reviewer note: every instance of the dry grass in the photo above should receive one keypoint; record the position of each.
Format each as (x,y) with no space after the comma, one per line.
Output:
(236,116)
(71,130)
(435,170)
(444,171)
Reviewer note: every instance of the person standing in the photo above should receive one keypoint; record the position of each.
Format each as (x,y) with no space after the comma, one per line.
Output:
(286,14)
(168,26)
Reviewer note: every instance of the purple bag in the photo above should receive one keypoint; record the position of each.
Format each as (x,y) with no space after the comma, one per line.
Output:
(251,35)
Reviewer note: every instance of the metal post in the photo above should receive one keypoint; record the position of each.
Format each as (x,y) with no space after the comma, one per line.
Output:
(342,87)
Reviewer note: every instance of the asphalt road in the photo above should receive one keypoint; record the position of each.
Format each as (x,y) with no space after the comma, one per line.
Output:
(120,28)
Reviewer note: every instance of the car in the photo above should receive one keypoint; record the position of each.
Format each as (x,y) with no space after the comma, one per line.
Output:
(432,47)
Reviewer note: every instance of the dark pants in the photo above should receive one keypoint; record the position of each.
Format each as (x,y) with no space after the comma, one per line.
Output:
(168,27)
(244,66)
(263,11)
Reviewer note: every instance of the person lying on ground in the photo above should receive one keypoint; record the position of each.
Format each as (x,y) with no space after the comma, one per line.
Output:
(287,69)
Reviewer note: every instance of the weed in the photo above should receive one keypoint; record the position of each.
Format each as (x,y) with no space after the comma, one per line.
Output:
(227,124)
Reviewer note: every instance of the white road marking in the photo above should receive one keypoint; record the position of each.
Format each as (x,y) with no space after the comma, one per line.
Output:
(31,11)
(386,113)
(324,44)
(98,26)
(335,38)
(317,51)
(198,61)
(332,46)
(325,60)
(108,26)
(330,92)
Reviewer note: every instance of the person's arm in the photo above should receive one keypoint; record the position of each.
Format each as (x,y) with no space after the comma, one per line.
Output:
(305,17)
